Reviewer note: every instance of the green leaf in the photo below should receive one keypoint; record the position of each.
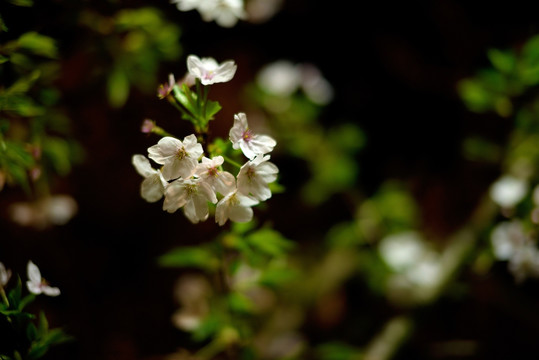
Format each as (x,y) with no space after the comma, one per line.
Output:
(504,61)
(38,44)
(240,303)
(269,241)
(117,87)
(31,332)
(197,257)
(212,108)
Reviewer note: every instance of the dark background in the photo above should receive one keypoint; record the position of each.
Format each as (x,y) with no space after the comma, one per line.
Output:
(394,66)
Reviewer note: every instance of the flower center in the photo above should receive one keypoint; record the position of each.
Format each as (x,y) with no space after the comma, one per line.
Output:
(212,171)
(247,135)
(190,189)
(251,173)
(233,200)
(181,153)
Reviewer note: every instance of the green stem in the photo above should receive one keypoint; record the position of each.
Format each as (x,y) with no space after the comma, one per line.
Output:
(4,297)
(232,162)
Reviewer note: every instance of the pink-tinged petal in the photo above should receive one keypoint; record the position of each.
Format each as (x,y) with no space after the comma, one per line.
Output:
(50,291)
(142,165)
(225,72)
(33,273)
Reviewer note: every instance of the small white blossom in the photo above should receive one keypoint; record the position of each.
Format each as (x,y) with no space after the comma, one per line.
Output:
(506,238)
(153,185)
(192,195)
(36,285)
(508,190)
(44,212)
(209,171)
(209,71)
(236,207)
(255,175)
(5,274)
(281,78)
(250,144)
(178,158)
(226,13)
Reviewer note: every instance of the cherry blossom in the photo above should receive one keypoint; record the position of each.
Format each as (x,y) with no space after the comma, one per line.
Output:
(251,144)
(192,195)
(5,274)
(178,158)
(209,170)
(209,71)
(236,207)
(36,285)
(255,175)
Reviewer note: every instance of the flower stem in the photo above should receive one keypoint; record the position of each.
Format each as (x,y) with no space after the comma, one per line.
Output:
(230,161)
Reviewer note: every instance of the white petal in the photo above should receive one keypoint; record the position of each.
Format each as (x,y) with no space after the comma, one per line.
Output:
(240,213)
(34,288)
(152,188)
(50,291)
(33,273)
(142,165)
(166,148)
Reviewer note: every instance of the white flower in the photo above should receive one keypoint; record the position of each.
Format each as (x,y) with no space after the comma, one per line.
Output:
(280,78)
(44,212)
(208,170)
(209,71)
(191,194)
(226,13)
(153,185)
(236,207)
(508,190)
(255,175)
(5,274)
(250,144)
(506,238)
(178,158)
(401,251)
(37,285)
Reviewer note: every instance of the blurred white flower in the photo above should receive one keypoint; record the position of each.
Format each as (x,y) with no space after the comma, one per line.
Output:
(251,144)
(209,71)
(401,251)
(280,78)
(315,86)
(51,210)
(178,158)
(192,195)
(236,207)
(192,292)
(5,274)
(36,285)
(508,191)
(506,238)
(209,171)
(186,5)
(154,184)
(226,13)
(255,175)
(259,11)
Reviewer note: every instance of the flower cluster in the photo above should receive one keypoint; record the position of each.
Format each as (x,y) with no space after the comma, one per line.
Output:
(190,180)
